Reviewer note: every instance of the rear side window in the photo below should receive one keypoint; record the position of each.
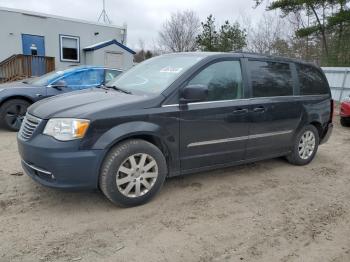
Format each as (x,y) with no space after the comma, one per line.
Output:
(270,79)
(311,81)
(223,79)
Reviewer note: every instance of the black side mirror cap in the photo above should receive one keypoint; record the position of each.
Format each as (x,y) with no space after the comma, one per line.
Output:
(194,93)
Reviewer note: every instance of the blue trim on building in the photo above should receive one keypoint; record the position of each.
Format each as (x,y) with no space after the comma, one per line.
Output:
(111,42)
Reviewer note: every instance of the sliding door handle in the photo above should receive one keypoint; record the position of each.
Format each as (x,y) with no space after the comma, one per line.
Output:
(259,109)
(240,111)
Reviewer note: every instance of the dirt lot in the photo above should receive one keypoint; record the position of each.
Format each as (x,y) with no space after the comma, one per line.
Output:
(266,211)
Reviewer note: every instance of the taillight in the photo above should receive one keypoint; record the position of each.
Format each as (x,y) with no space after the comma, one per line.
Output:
(332,111)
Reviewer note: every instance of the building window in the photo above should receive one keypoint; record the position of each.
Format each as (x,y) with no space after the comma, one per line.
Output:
(70,48)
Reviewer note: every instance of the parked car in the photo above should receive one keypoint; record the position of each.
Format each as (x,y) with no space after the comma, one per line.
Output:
(15,97)
(177,114)
(345,112)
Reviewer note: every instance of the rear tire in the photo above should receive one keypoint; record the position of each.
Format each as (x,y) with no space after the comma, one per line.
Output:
(305,146)
(132,172)
(12,113)
(345,121)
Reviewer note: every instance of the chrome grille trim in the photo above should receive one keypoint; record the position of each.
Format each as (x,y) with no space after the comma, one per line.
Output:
(28,127)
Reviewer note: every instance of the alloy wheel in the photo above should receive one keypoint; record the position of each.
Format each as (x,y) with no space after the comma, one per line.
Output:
(137,175)
(307,145)
(14,115)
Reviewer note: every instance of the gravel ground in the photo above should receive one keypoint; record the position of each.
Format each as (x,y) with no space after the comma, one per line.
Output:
(265,211)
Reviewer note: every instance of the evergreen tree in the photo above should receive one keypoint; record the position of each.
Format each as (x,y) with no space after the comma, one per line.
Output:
(229,38)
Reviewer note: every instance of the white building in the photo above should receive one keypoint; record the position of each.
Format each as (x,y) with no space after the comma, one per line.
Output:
(70,41)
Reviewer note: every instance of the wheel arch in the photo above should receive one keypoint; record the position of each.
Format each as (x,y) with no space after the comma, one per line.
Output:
(149,132)
(319,128)
(25,98)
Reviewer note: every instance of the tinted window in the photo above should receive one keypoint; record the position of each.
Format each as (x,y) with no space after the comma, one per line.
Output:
(270,79)
(311,81)
(223,79)
(111,74)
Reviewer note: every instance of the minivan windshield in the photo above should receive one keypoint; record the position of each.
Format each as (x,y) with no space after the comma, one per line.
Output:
(154,75)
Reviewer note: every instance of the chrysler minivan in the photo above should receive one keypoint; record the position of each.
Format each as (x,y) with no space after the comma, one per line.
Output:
(173,115)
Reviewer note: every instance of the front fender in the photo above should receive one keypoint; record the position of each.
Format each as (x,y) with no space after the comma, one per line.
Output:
(122,131)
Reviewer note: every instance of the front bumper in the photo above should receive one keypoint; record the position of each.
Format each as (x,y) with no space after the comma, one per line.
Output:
(327,134)
(60,164)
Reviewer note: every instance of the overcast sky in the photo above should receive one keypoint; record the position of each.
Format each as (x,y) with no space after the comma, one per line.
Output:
(143,18)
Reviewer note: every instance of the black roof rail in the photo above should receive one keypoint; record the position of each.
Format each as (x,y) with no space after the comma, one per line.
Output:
(281,58)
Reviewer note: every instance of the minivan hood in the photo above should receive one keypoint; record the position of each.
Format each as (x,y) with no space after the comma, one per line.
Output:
(82,104)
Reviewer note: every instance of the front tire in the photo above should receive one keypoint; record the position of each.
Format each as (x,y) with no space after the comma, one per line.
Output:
(12,113)
(345,121)
(305,146)
(132,172)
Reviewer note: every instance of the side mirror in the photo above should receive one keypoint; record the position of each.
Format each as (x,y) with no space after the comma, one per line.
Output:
(59,84)
(194,93)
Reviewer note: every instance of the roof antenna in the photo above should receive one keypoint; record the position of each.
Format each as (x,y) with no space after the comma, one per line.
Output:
(103,16)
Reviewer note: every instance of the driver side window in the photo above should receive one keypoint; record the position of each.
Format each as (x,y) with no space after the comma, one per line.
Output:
(74,80)
(223,79)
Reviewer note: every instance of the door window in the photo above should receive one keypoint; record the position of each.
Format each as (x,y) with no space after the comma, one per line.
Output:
(84,79)
(223,79)
(74,80)
(311,81)
(270,79)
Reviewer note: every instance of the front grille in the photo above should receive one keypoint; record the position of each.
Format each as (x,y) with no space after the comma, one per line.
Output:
(28,127)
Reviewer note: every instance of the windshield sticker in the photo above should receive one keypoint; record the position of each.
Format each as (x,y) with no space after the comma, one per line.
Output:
(172,70)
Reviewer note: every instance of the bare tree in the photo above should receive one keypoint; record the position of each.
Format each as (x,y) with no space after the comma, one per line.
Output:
(263,35)
(178,34)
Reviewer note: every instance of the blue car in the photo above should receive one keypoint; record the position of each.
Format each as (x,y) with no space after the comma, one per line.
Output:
(16,97)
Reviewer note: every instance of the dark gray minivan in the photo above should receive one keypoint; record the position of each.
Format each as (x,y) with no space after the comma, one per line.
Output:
(177,114)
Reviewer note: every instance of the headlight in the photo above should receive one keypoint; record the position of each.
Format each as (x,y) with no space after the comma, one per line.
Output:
(66,129)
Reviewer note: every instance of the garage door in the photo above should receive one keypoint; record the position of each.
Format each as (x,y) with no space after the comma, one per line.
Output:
(114,60)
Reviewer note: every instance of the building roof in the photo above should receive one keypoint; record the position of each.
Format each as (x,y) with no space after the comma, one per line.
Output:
(43,15)
(107,43)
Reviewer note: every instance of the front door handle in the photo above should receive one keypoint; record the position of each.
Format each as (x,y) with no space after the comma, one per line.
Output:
(259,109)
(240,111)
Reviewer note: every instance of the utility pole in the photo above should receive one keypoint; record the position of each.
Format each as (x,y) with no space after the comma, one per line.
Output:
(103,16)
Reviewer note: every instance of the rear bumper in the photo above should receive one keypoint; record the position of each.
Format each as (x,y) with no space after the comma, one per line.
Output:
(327,134)
(60,164)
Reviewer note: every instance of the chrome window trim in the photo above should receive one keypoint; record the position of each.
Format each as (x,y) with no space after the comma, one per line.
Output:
(240,138)
(243,99)
(208,102)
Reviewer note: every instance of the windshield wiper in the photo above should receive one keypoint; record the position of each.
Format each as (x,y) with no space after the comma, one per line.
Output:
(25,82)
(118,89)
